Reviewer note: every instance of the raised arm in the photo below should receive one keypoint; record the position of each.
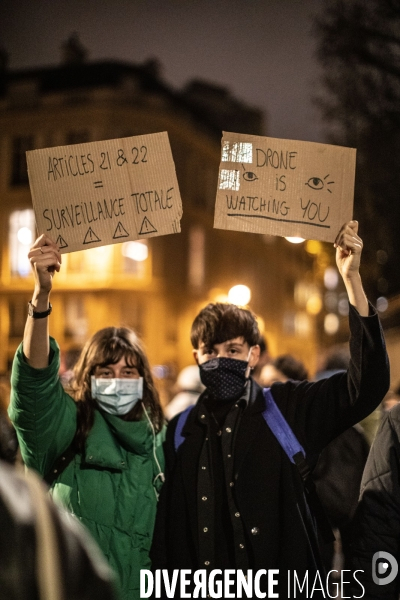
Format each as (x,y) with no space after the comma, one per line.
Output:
(321,410)
(45,260)
(348,255)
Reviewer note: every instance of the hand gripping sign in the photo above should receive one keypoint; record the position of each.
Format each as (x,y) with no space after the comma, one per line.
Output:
(88,195)
(284,187)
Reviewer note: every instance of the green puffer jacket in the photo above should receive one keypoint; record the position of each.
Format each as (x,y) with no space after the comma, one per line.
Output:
(109,488)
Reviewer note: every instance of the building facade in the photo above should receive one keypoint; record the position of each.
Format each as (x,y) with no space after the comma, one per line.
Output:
(156,286)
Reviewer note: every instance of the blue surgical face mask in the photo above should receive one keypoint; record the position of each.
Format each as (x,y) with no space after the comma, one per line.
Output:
(117,396)
(224,378)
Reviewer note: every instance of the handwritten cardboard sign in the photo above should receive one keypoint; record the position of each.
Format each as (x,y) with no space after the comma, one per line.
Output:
(88,195)
(284,187)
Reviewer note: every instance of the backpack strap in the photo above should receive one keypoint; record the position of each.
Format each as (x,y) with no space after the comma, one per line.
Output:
(296,454)
(293,449)
(284,434)
(276,422)
(178,437)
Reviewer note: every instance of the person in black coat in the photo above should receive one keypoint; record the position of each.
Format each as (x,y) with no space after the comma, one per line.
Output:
(377,521)
(45,553)
(232,498)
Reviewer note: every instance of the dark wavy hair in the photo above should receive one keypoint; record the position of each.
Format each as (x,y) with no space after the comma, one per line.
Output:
(106,347)
(219,322)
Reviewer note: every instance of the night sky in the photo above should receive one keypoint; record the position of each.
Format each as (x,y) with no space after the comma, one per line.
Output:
(262,50)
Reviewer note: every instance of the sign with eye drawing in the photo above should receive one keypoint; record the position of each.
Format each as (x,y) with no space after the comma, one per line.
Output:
(99,193)
(284,187)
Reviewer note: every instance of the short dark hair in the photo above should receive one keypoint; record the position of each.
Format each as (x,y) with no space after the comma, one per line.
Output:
(290,367)
(337,359)
(219,322)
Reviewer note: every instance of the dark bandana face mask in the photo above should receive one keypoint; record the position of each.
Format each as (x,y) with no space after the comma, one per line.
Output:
(224,378)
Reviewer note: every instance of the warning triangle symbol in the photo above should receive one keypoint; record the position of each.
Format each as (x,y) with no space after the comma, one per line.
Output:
(120,231)
(91,237)
(61,243)
(147,227)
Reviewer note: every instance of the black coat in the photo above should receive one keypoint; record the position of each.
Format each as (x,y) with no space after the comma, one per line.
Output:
(377,522)
(31,527)
(268,488)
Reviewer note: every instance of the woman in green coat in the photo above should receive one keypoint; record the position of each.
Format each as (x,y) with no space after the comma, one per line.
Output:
(108,431)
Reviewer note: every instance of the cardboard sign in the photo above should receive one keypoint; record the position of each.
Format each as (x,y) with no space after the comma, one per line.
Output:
(100,193)
(284,187)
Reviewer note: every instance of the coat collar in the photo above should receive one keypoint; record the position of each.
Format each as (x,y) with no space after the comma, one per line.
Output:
(255,401)
(111,438)
(256,404)
(250,425)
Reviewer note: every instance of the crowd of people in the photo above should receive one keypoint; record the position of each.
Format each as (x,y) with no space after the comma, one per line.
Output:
(209,481)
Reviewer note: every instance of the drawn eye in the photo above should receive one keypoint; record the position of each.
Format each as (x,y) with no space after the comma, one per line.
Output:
(315,183)
(250,176)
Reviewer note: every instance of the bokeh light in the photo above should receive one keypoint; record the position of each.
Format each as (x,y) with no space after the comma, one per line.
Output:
(343,304)
(331,301)
(239,295)
(261,324)
(295,240)
(331,278)
(331,324)
(382,304)
(313,247)
(135,250)
(24,236)
(314,304)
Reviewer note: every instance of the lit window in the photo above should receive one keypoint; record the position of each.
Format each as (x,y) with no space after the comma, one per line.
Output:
(22,236)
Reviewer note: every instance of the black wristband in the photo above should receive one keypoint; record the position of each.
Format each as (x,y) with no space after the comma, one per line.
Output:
(38,315)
